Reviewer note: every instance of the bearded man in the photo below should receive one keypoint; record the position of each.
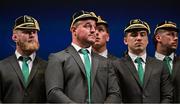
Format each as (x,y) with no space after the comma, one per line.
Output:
(22,74)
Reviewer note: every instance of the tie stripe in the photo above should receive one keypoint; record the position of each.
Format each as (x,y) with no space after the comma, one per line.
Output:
(139,60)
(88,71)
(25,68)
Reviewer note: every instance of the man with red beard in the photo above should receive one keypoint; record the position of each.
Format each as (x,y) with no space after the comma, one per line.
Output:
(22,74)
(166,43)
(77,74)
(142,79)
(102,37)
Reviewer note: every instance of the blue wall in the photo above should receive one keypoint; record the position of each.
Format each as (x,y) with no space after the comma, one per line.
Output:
(54,18)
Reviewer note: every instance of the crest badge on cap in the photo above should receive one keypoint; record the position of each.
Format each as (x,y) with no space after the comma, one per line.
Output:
(167,25)
(137,24)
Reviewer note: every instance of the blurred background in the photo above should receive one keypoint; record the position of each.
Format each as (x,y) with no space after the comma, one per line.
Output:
(54,18)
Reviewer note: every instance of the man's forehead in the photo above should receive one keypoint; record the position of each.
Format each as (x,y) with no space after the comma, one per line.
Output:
(27,30)
(163,30)
(101,26)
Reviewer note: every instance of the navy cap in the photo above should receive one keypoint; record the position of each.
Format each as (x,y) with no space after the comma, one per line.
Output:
(80,15)
(167,25)
(137,24)
(26,22)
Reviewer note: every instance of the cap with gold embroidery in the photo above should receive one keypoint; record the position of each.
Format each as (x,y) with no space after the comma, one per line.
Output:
(82,15)
(167,25)
(101,21)
(137,24)
(26,22)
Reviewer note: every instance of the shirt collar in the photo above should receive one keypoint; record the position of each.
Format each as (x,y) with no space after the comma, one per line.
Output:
(161,56)
(78,47)
(32,56)
(104,53)
(133,56)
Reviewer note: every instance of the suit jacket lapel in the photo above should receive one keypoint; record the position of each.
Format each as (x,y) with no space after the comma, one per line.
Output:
(76,57)
(175,66)
(16,67)
(33,70)
(129,63)
(148,70)
(94,66)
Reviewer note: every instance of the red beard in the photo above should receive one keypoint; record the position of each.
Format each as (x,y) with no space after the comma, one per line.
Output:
(28,46)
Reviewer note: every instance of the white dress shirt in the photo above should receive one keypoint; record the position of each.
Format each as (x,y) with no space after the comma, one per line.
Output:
(29,62)
(80,54)
(133,57)
(161,57)
(104,53)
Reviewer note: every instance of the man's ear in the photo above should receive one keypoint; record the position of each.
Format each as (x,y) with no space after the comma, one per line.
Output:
(125,41)
(73,30)
(107,38)
(158,37)
(14,37)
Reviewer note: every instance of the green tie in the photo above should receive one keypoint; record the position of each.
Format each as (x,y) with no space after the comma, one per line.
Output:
(167,60)
(138,60)
(88,71)
(25,69)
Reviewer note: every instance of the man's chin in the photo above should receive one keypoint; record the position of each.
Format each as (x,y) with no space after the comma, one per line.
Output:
(31,47)
(91,42)
(173,49)
(96,45)
(139,49)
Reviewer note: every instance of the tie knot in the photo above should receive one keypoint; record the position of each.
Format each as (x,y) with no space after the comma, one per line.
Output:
(138,60)
(167,58)
(24,59)
(84,51)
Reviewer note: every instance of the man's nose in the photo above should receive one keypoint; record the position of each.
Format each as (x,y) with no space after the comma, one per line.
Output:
(93,29)
(139,36)
(97,34)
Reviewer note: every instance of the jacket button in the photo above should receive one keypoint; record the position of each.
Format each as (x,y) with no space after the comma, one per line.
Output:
(25,94)
(144,96)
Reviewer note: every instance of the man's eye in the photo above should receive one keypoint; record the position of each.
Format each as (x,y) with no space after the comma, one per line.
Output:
(25,32)
(133,34)
(143,34)
(29,32)
(88,26)
(100,30)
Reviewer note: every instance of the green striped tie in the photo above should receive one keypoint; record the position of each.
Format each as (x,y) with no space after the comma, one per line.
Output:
(167,60)
(25,69)
(138,60)
(88,71)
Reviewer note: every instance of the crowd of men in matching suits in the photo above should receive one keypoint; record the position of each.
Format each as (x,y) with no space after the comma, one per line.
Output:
(85,72)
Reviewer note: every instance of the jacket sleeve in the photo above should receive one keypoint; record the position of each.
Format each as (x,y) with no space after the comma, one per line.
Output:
(55,80)
(166,86)
(114,91)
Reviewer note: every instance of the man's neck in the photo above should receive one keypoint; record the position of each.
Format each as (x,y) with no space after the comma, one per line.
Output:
(24,53)
(164,52)
(100,50)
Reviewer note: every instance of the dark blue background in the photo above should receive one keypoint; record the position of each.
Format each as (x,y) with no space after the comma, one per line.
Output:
(54,18)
